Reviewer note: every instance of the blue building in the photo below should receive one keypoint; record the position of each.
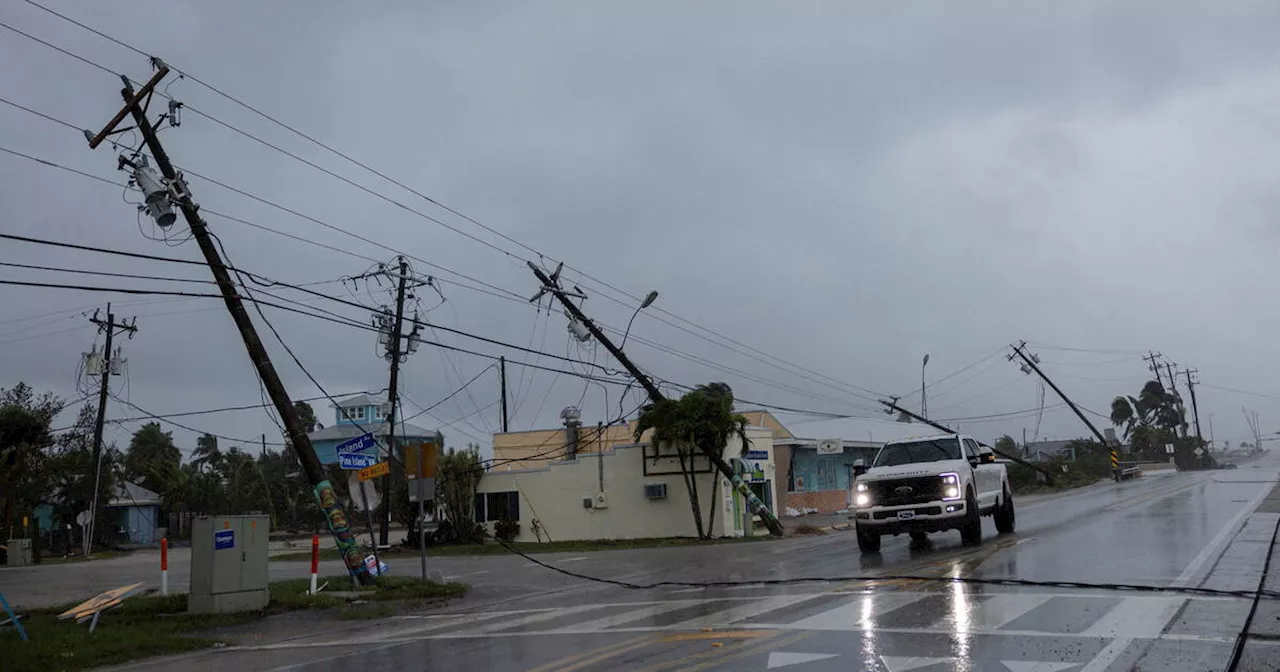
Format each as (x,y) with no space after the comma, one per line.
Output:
(135,514)
(358,415)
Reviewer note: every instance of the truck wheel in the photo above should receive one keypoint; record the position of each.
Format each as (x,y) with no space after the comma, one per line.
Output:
(868,542)
(971,531)
(1005,518)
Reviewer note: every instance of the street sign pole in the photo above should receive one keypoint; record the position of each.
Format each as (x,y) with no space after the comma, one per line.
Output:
(368,514)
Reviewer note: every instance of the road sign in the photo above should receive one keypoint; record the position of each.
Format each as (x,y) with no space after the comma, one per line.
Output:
(351,453)
(1168,448)
(369,473)
(83,518)
(1199,452)
(420,460)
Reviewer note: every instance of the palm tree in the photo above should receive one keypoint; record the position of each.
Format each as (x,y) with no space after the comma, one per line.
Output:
(702,420)
(206,452)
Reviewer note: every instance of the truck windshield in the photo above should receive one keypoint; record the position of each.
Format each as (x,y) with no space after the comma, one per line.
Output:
(918,451)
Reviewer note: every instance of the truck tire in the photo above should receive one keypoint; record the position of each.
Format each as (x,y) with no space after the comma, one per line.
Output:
(971,531)
(868,542)
(1005,518)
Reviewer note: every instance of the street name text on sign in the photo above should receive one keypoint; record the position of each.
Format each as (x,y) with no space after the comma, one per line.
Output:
(351,453)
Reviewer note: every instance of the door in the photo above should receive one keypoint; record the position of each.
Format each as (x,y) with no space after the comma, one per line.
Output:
(983,476)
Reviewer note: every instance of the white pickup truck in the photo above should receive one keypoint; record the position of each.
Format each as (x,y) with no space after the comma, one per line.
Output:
(927,485)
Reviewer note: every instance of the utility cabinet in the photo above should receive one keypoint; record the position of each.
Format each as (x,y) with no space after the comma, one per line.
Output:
(19,553)
(229,563)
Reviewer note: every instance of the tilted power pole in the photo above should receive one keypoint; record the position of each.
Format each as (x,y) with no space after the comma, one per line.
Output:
(892,406)
(551,284)
(160,197)
(110,326)
(1195,410)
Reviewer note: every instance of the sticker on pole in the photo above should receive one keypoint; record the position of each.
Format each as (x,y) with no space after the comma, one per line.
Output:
(224,539)
(352,452)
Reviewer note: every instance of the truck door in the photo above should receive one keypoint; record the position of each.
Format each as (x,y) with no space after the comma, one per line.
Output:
(986,478)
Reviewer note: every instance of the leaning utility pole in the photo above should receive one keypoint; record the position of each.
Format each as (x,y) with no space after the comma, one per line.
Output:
(392,479)
(1195,410)
(1030,365)
(109,326)
(891,406)
(1153,364)
(1182,411)
(160,198)
(551,284)
(502,375)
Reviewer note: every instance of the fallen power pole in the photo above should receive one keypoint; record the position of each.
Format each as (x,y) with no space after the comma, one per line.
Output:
(1195,409)
(893,406)
(1030,364)
(161,196)
(551,284)
(110,326)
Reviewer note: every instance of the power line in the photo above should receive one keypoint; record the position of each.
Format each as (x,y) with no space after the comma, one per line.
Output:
(451,394)
(719,339)
(105,273)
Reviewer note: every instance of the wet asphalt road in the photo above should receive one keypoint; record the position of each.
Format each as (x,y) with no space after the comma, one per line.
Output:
(1180,529)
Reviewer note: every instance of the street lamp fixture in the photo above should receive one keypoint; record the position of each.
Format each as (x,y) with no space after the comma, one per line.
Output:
(648,301)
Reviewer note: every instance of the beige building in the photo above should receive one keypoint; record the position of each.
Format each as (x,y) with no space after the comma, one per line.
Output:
(587,483)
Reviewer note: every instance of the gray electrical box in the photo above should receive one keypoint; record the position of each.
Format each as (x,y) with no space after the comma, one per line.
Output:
(229,563)
(19,553)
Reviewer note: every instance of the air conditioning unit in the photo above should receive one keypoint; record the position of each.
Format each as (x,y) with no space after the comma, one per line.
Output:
(601,502)
(655,490)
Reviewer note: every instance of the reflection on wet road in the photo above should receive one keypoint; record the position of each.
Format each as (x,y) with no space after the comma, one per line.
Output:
(1183,529)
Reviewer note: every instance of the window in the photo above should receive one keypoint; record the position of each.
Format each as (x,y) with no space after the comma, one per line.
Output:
(356,413)
(494,506)
(918,451)
(378,412)
(970,448)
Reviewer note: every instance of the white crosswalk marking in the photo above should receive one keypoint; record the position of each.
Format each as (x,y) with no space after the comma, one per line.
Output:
(1001,609)
(597,624)
(1136,617)
(504,623)
(743,611)
(859,613)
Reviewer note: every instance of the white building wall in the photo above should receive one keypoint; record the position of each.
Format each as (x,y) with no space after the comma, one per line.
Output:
(554,496)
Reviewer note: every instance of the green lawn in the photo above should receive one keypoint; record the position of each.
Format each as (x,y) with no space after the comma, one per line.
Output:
(535,547)
(157,625)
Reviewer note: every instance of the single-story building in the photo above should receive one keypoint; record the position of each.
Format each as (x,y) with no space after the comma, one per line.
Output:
(134,512)
(589,483)
(359,415)
(817,472)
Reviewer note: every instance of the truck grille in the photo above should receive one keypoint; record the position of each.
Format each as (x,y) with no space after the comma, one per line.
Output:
(893,492)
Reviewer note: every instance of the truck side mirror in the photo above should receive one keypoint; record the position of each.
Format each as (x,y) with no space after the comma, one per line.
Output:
(974,461)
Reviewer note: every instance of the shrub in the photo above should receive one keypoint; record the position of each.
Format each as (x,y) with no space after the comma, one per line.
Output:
(506,529)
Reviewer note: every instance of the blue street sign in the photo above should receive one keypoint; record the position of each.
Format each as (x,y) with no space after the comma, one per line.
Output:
(355,462)
(756,455)
(357,445)
(224,539)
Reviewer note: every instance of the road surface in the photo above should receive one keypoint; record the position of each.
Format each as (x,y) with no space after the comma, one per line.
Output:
(1203,529)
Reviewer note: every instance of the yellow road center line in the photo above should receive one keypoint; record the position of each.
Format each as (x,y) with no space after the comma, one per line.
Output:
(567,660)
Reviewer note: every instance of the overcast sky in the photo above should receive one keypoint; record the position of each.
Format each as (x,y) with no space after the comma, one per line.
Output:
(843,186)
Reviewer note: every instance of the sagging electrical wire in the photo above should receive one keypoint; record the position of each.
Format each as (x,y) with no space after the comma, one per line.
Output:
(1128,587)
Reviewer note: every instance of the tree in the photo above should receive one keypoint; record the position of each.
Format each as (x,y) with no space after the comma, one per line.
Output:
(1150,420)
(457,477)
(206,452)
(1007,445)
(25,441)
(700,421)
(153,461)
(306,416)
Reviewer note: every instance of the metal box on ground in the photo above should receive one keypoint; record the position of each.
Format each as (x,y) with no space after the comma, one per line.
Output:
(229,563)
(19,552)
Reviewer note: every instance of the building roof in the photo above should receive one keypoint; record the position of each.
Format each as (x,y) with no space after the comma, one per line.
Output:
(359,400)
(857,430)
(1042,449)
(350,430)
(132,494)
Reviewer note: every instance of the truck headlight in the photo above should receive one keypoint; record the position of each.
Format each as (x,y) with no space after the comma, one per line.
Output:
(950,487)
(860,487)
(862,500)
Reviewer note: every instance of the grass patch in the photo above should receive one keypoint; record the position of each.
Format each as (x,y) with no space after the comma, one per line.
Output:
(100,555)
(143,627)
(581,546)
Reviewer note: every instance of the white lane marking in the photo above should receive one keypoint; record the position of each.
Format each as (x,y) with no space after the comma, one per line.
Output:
(1003,608)
(580,557)
(727,616)
(904,663)
(607,622)
(1034,666)
(858,613)
(1212,550)
(1108,655)
(783,659)
(745,586)
(1136,618)
(532,618)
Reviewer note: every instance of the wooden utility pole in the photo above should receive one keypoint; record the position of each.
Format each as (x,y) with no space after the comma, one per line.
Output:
(110,326)
(1195,410)
(551,284)
(893,406)
(1153,363)
(396,475)
(179,194)
(502,375)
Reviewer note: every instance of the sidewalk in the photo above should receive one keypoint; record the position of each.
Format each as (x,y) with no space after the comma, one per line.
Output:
(1264,631)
